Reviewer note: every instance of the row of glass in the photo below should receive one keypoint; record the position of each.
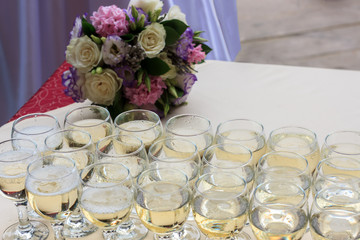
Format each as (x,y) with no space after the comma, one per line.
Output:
(239,146)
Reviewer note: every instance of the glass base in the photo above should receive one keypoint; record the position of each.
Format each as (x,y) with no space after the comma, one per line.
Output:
(138,231)
(78,229)
(39,231)
(240,236)
(189,232)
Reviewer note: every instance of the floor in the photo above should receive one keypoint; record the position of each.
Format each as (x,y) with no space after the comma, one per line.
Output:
(315,33)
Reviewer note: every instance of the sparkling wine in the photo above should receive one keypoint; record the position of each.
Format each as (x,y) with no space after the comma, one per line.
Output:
(107,207)
(341,149)
(299,143)
(163,213)
(278,223)
(146,130)
(97,128)
(52,199)
(219,214)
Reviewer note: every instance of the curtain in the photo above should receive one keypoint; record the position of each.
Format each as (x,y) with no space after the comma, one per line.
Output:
(34,35)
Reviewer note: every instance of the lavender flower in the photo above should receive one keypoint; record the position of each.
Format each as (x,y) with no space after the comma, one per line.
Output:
(76,31)
(114,50)
(184,43)
(185,82)
(127,74)
(74,84)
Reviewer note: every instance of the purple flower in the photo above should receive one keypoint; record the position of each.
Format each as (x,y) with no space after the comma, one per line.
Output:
(74,84)
(184,43)
(127,74)
(114,50)
(185,82)
(76,31)
(141,12)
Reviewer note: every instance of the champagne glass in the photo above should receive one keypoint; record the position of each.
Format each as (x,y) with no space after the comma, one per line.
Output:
(143,124)
(51,187)
(93,119)
(13,164)
(78,146)
(337,171)
(342,143)
(335,214)
(230,157)
(246,132)
(296,139)
(278,210)
(179,154)
(162,203)
(130,151)
(192,127)
(36,126)
(284,166)
(220,205)
(106,197)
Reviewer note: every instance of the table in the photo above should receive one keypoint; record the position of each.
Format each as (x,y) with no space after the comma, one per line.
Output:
(323,100)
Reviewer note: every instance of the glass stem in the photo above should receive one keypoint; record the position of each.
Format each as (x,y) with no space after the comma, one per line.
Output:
(24,223)
(58,227)
(75,216)
(125,228)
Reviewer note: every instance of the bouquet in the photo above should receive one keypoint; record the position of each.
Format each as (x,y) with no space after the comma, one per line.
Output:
(133,58)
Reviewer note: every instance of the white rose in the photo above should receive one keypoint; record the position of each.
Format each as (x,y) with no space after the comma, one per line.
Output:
(175,13)
(146,5)
(83,54)
(152,39)
(172,72)
(101,88)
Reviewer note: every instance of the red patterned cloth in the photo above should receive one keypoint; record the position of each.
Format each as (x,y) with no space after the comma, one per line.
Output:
(49,97)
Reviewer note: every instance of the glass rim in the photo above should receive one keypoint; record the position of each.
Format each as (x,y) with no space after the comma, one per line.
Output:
(73,169)
(206,161)
(244,190)
(182,187)
(190,158)
(157,123)
(34,115)
(329,163)
(261,133)
(139,149)
(299,156)
(187,115)
(108,117)
(69,150)
(33,153)
(337,132)
(300,204)
(115,183)
(313,145)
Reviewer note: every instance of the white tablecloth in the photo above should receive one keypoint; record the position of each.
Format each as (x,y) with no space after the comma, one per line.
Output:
(323,100)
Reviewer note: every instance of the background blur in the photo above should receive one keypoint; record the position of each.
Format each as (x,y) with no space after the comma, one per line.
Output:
(315,33)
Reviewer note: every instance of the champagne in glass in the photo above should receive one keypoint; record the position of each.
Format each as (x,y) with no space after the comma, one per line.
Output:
(342,143)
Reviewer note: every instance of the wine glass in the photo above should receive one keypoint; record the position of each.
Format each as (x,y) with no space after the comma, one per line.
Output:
(106,197)
(338,171)
(220,205)
(13,164)
(230,157)
(143,124)
(278,210)
(246,132)
(51,187)
(342,143)
(296,139)
(78,146)
(284,166)
(192,127)
(130,151)
(179,154)
(335,214)
(93,119)
(36,126)
(162,202)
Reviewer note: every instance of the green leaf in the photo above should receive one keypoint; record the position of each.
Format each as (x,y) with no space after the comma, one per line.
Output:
(173,91)
(205,48)
(197,33)
(171,36)
(140,77)
(87,27)
(155,66)
(177,25)
(117,107)
(199,39)
(179,92)
(147,82)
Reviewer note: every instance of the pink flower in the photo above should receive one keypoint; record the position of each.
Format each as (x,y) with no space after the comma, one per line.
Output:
(195,54)
(110,20)
(141,96)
